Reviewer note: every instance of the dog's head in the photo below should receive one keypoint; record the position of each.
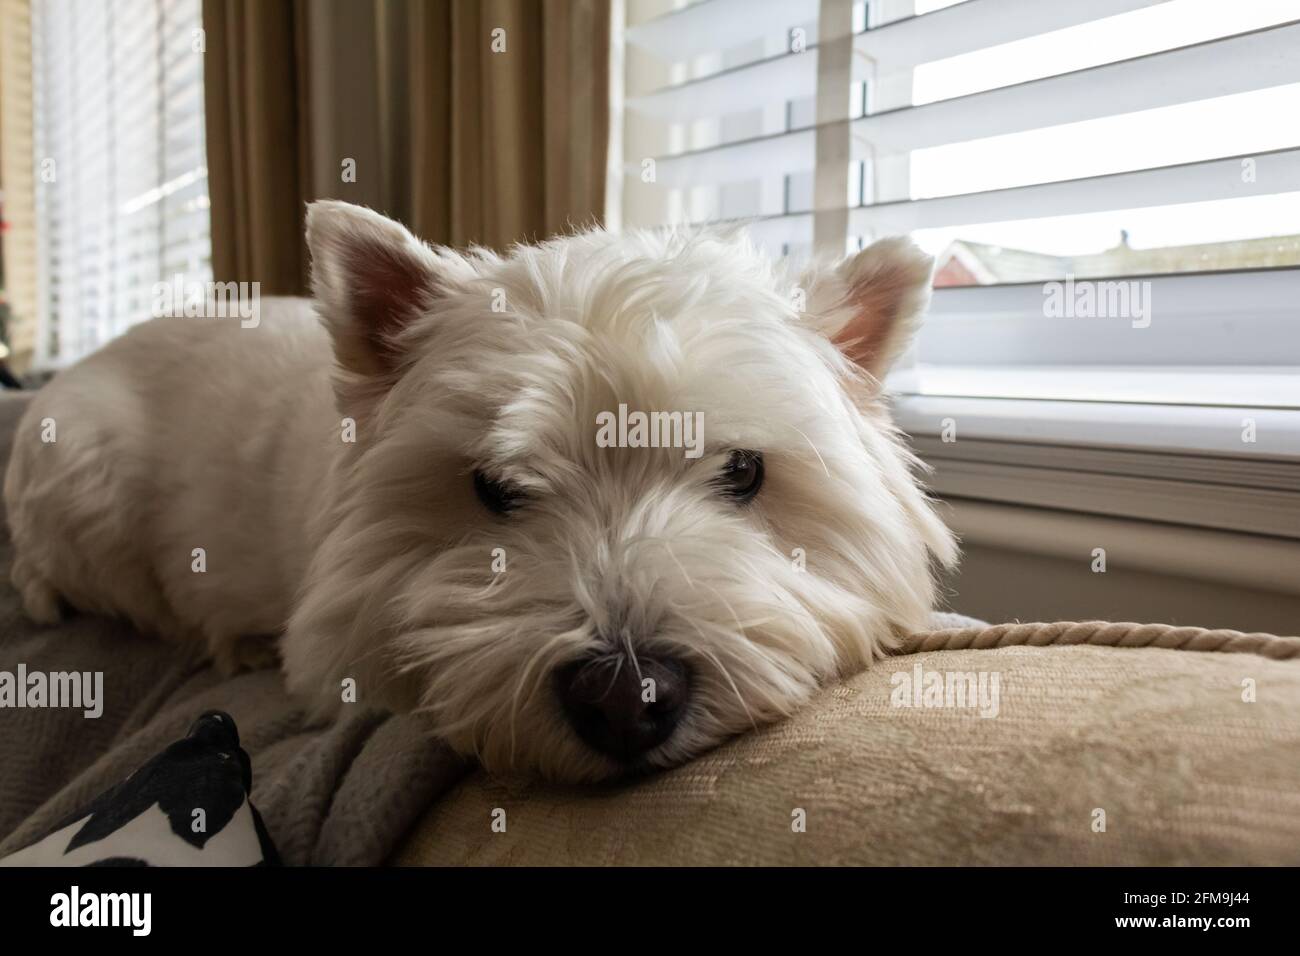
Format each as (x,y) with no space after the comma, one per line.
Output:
(612,498)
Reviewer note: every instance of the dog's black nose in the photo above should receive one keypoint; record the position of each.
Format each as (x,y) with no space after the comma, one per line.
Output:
(624,708)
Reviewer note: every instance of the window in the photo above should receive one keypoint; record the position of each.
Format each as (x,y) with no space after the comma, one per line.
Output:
(17,205)
(121,187)
(1111,191)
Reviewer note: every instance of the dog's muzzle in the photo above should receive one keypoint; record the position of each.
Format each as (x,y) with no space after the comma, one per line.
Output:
(624,708)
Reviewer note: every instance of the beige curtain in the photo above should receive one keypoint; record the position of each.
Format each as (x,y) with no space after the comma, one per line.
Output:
(472,121)
(257,141)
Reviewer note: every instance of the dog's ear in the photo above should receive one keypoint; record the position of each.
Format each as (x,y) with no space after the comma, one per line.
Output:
(872,303)
(371,279)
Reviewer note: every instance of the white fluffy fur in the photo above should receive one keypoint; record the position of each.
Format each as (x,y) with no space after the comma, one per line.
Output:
(374,559)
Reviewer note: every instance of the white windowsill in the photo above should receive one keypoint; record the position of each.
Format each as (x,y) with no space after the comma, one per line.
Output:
(1137,444)
(1192,429)
(1253,386)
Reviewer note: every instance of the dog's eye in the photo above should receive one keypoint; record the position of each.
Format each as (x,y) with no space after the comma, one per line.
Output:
(742,476)
(498,496)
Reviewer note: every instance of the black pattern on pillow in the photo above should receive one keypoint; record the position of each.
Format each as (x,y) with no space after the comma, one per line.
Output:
(188,806)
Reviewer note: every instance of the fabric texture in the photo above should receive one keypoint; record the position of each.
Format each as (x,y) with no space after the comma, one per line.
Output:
(470,122)
(188,806)
(1162,742)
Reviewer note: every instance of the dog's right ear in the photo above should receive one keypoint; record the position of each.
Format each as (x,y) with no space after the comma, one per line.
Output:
(872,303)
(371,279)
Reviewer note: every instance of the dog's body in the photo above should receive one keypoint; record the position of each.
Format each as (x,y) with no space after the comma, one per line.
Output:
(413,494)
(182,434)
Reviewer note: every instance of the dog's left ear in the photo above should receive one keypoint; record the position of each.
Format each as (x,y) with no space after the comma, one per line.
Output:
(872,303)
(372,279)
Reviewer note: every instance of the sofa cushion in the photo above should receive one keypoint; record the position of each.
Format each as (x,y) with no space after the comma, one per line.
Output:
(1192,757)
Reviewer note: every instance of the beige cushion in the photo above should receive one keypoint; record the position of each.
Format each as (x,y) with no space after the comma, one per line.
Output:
(1161,740)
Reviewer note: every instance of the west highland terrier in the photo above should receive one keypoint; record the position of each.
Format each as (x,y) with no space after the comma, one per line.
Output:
(590,507)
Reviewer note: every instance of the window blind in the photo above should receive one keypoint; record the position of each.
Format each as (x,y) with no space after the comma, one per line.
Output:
(722,97)
(121,182)
(1025,144)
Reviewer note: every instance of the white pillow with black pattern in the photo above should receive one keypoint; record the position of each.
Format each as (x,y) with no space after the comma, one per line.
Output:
(188,806)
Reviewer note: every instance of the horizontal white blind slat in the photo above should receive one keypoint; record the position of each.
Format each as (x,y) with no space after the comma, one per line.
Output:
(703,27)
(1210,180)
(975,25)
(1235,64)
(792,75)
(785,152)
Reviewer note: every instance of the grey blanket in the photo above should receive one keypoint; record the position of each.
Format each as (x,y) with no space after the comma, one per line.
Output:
(345,793)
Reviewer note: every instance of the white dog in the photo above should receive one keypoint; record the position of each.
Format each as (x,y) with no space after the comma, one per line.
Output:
(423,499)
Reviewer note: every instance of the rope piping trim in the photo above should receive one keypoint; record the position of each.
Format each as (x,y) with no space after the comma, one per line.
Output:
(1103,634)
